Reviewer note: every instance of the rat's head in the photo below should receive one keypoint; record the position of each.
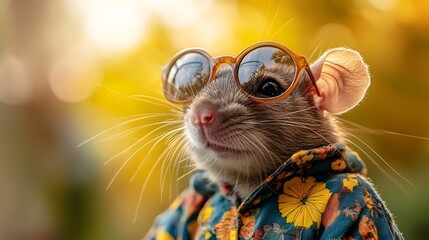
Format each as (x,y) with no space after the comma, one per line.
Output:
(243,122)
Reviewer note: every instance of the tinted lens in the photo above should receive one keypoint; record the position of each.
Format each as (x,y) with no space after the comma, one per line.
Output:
(266,72)
(187,76)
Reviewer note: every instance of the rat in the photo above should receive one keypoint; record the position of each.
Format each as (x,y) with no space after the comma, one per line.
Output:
(239,141)
(280,168)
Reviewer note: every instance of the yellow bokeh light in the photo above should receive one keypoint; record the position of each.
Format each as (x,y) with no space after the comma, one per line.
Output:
(73,80)
(113,26)
(179,13)
(384,5)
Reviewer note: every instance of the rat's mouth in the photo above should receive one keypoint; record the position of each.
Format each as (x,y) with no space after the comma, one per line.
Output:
(221,149)
(205,140)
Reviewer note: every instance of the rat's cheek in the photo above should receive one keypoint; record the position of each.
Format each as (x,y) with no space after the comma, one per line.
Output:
(195,136)
(190,133)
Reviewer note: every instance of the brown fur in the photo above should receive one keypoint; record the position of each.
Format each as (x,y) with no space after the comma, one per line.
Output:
(265,134)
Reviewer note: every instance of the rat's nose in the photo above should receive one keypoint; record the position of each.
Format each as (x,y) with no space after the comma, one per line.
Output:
(205,116)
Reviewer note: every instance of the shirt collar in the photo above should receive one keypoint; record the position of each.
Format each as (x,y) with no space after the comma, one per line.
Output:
(331,159)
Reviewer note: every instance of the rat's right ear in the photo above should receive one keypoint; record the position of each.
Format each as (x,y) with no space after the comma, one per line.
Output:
(342,79)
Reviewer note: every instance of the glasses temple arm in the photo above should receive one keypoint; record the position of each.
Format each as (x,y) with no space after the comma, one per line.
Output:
(313,81)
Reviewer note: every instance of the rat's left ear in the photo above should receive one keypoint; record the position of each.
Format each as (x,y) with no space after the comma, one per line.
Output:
(342,78)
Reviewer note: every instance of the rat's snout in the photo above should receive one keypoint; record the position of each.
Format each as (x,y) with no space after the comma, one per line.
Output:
(205,117)
(203,113)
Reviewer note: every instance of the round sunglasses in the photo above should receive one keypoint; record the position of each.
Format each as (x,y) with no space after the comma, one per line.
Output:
(265,72)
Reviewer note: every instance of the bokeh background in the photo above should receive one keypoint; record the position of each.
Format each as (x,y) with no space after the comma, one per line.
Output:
(72,69)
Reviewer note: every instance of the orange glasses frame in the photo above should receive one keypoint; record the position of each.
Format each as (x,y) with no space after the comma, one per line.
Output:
(299,60)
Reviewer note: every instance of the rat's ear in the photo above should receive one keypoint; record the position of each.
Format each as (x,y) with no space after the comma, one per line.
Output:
(342,79)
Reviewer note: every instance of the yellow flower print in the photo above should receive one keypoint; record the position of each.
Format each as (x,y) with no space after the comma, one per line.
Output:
(301,157)
(338,165)
(367,229)
(369,203)
(283,175)
(163,235)
(232,235)
(203,221)
(226,228)
(248,225)
(304,201)
(207,235)
(322,152)
(350,182)
(205,214)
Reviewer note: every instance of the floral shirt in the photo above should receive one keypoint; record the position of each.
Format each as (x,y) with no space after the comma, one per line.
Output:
(316,194)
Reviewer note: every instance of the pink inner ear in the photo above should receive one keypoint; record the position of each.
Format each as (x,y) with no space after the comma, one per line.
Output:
(342,79)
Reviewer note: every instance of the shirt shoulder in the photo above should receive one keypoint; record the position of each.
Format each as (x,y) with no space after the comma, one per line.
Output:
(180,219)
(356,210)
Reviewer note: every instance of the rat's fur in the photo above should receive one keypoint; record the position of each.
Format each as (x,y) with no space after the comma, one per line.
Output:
(257,137)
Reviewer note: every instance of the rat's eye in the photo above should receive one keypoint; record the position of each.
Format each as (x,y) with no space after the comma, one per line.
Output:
(269,88)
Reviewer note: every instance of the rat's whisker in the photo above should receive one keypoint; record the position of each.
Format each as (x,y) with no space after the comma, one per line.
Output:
(131,157)
(381,131)
(151,114)
(189,168)
(169,139)
(294,124)
(383,171)
(138,141)
(259,145)
(293,113)
(313,125)
(182,154)
(383,160)
(114,127)
(220,170)
(186,174)
(265,21)
(139,99)
(122,134)
(273,19)
(167,156)
(158,140)
(281,28)
(174,144)
(158,160)
(168,103)
(314,51)
(169,159)
(130,131)
(152,169)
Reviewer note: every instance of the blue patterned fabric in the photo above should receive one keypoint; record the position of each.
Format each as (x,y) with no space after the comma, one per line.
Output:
(316,194)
